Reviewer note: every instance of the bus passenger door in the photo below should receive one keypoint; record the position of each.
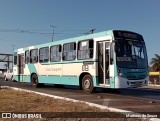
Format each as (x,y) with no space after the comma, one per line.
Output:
(103,62)
(20,66)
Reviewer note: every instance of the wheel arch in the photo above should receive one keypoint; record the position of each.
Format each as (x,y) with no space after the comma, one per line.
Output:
(32,75)
(81,77)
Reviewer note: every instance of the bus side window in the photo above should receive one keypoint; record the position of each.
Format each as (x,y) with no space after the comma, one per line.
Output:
(85,49)
(27,56)
(69,51)
(91,48)
(55,53)
(43,55)
(34,56)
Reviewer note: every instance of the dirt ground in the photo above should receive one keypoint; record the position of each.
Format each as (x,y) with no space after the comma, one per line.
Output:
(153,86)
(17,101)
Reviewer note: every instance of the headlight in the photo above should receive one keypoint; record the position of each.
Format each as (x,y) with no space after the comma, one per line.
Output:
(119,72)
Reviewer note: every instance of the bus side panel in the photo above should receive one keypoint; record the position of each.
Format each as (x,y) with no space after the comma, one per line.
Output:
(72,71)
(15,72)
(28,70)
(74,80)
(113,72)
(50,73)
(95,81)
(70,80)
(33,68)
(49,79)
(25,77)
(67,73)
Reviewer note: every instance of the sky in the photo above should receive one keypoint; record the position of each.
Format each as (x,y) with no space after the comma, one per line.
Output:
(28,22)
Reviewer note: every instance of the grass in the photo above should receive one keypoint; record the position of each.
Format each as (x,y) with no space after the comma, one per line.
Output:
(19,101)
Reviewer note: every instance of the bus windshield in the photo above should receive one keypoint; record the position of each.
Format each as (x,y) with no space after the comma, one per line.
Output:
(131,54)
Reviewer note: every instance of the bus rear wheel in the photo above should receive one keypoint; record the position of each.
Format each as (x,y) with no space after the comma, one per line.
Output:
(87,84)
(34,80)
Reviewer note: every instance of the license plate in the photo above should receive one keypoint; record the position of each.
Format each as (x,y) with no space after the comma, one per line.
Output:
(137,84)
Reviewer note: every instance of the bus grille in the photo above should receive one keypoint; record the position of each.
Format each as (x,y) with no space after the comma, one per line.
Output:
(135,76)
(136,84)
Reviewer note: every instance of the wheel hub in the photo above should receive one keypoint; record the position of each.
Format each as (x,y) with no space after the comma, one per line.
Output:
(87,83)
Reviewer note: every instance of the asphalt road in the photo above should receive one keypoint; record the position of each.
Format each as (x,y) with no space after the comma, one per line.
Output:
(136,100)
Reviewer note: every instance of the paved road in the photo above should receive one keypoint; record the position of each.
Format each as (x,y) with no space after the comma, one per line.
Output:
(136,100)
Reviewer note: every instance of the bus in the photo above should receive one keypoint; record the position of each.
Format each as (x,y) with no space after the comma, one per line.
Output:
(109,59)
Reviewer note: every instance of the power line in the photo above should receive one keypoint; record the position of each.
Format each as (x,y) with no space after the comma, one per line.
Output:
(37,32)
(52,31)
(63,32)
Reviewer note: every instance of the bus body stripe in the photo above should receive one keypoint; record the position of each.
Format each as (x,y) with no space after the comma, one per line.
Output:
(65,80)
(32,68)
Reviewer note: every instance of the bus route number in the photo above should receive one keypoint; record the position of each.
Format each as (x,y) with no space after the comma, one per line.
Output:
(85,68)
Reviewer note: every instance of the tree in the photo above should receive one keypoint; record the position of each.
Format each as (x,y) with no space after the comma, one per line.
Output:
(155,63)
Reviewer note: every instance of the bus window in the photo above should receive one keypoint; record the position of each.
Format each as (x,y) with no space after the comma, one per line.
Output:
(44,55)
(131,54)
(69,51)
(55,53)
(27,56)
(15,58)
(85,49)
(34,56)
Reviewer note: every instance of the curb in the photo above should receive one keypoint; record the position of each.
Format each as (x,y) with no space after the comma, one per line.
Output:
(73,100)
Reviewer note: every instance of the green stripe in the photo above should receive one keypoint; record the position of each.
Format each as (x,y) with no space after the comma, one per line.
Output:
(32,68)
(66,80)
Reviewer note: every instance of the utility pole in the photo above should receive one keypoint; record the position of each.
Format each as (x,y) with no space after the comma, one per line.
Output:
(13,47)
(52,31)
(90,32)
(13,55)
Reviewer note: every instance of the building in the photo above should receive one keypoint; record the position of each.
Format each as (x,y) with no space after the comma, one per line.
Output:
(154,77)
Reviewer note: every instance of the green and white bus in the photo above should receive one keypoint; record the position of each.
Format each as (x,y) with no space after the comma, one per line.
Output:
(108,59)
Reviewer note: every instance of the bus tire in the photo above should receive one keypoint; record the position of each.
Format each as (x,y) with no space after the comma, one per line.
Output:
(87,84)
(34,80)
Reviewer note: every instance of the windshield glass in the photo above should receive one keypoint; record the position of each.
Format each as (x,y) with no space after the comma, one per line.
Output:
(131,54)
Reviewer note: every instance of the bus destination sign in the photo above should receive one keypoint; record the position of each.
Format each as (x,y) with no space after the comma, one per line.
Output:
(127,35)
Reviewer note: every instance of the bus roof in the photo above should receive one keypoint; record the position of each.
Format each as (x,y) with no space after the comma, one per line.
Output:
(83,37)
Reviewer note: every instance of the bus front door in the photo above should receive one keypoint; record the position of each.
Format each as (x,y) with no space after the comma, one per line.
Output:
(20,66)
(103,62)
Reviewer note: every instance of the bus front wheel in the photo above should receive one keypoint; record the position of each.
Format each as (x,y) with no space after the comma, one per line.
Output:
(87,84)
